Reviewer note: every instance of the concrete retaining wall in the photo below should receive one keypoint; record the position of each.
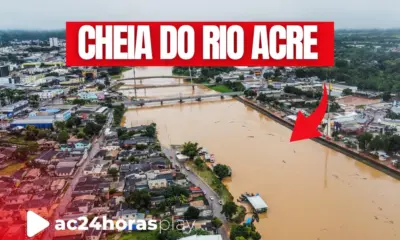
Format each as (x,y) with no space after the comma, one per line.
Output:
(370,162)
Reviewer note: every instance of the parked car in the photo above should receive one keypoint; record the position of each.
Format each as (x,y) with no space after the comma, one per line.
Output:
(211,198)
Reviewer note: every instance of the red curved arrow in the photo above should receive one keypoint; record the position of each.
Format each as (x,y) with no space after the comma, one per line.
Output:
(306,128)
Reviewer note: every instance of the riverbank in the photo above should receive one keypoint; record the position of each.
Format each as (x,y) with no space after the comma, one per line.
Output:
(328,143)
(211,180)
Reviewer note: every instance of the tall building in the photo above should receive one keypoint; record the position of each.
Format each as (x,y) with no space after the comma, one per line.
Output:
(53,42)
(4,71)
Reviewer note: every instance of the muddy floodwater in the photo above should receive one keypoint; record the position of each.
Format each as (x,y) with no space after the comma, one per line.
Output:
(312,192)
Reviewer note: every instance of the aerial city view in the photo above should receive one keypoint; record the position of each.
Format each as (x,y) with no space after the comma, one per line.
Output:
(198,152)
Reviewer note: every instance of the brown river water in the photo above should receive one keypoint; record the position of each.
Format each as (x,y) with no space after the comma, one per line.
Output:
(312,192)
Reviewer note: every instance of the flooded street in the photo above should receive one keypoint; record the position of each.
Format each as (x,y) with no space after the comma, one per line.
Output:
(312,191)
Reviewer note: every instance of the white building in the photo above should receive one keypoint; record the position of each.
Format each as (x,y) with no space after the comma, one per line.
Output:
(157,183)
(337,89)
(53,42)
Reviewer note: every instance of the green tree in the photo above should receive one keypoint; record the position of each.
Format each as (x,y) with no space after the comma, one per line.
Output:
(81,135)
(31,133)
(113,172)
(107,81)
(277,73)
(33,101)
(60,125)
(267,75)
(250,93)
(78,101)
(218,79)
(100,119)
(192,213)
(100,87)
(91,129)
(244,231)
(62,137)
(133,159)
(176,190)
(151,130)
(347,91)
(139,199)
(364,139)
(199,162)
(229,209)
(221,171)
(386,96)
(191,149)
(216,222)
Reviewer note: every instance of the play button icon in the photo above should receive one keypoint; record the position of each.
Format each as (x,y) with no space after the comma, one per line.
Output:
(35,224)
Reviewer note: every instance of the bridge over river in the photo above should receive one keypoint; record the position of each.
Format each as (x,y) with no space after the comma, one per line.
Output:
(179,99)
(141,86)
(161,76)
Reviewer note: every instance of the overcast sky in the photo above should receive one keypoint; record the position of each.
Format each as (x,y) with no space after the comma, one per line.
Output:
(52,14)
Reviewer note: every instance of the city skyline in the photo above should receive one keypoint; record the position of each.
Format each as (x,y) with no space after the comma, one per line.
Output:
(350,14)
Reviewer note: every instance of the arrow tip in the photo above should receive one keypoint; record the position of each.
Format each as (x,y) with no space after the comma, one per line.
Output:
(302,130)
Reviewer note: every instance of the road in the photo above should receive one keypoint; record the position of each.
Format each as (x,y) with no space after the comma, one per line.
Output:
(196,180)
(67,198)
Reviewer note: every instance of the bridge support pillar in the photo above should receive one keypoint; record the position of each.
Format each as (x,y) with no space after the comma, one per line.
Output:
(222,97)
(193,87)
(162,102)
(198,99)
(180,100)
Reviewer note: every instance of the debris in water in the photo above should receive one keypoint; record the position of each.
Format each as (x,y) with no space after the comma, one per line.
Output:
(380,209)
(391,222)
(294,151)
(217,121)
(250,136)
(283,161)
(271,134)
(243,126)
(336,176)
(376,218)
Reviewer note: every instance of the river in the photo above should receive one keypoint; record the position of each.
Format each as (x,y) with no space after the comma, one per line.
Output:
(312,191)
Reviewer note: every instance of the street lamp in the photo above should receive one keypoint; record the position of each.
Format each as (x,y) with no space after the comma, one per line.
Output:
(134,80)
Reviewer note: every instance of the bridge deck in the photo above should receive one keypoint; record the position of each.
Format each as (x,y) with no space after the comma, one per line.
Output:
(161,76)
(179,98)
(139,86)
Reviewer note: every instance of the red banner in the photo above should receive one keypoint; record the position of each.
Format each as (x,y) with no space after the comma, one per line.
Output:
(200,44)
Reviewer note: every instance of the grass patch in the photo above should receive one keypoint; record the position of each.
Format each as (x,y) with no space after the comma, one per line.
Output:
(221,88)
(151,235)
(209,177)
(11,169)
(118,76)
(124,69)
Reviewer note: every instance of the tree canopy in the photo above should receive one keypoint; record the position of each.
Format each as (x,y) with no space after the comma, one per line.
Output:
(222,171)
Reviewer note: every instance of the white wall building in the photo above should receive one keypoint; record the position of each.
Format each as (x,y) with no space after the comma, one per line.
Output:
(53,42)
